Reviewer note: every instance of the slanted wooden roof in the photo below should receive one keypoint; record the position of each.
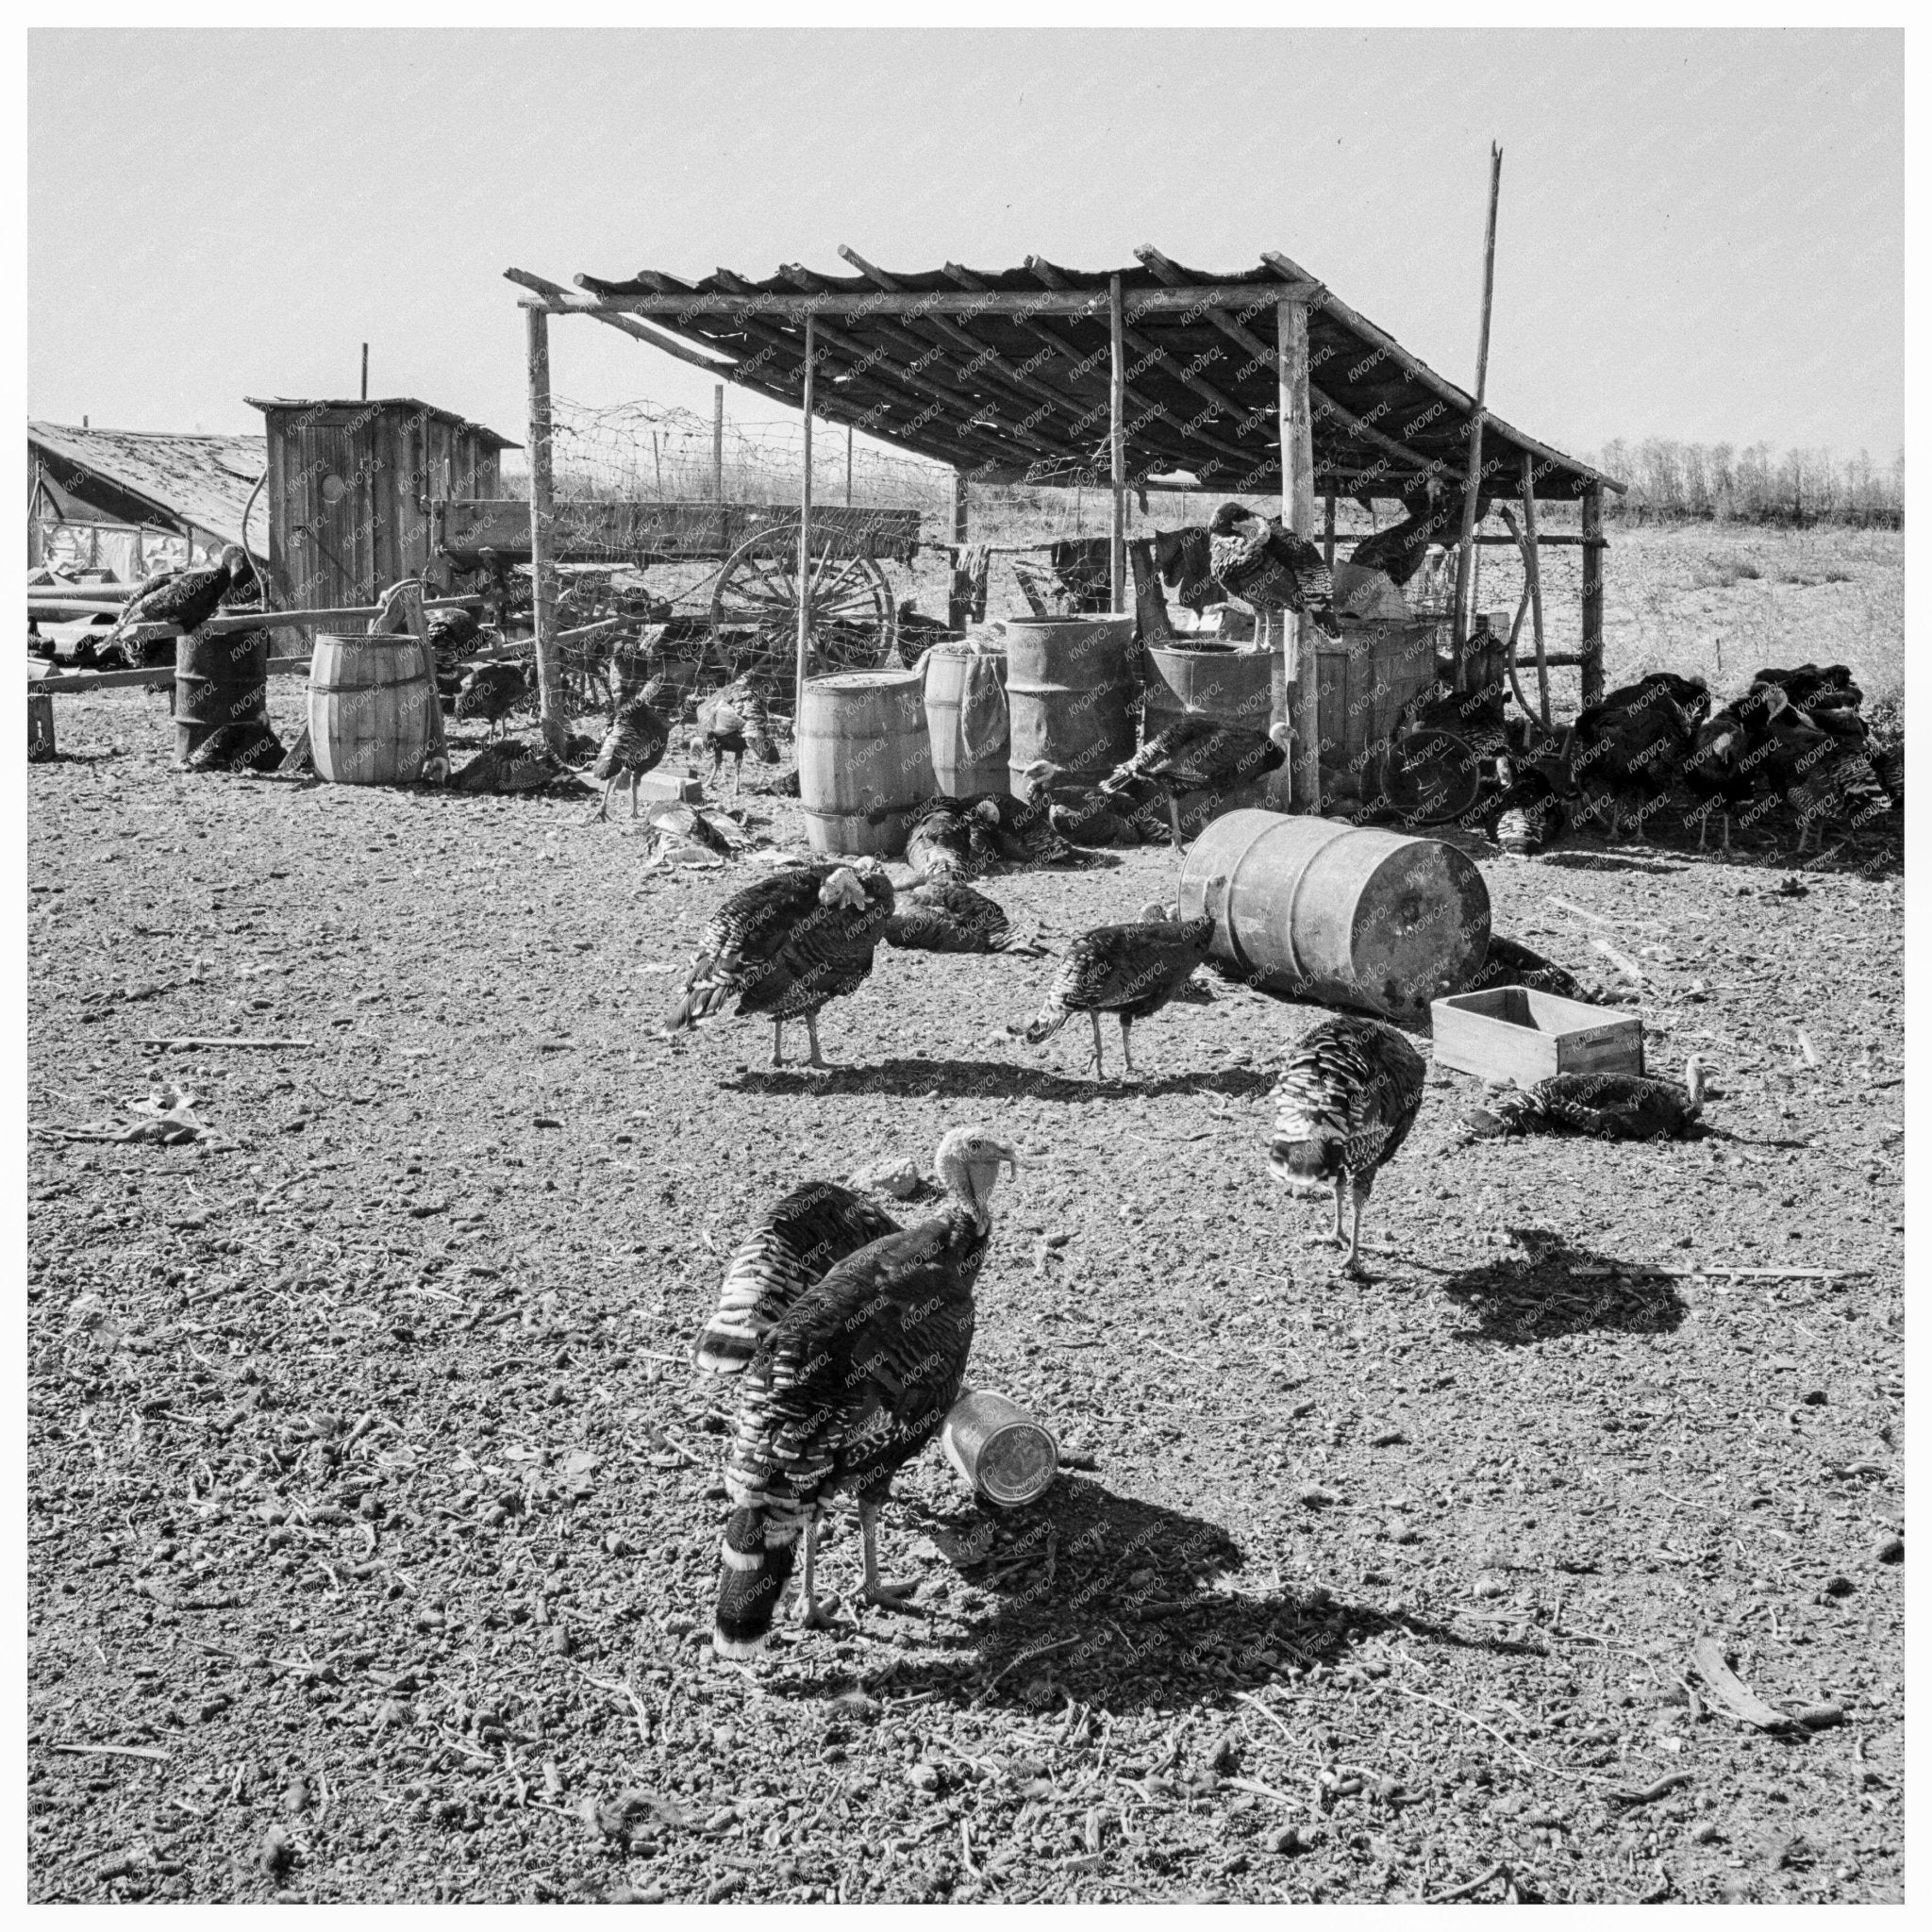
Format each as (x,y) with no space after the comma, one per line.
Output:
(1005,372)
(140,476)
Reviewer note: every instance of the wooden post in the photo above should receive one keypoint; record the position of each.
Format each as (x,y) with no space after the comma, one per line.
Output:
(717,444)
(542,570)
(1533,564)
(848,466)
(1467,553)
(1592,651)
(805,531)
(1117,447)
(1328,530)
(365,372)
(1299,669)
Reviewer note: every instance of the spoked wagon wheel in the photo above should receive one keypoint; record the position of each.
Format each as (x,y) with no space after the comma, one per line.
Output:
(855,623)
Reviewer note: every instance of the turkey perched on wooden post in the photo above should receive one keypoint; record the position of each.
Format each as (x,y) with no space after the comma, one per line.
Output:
(848,1384)
(1131,971)
(785,946)
(943,917)
(184,597)
(727,722)
(1607,1106)
(1273,568)
(1348,1094)
(1200,754)
(634,744)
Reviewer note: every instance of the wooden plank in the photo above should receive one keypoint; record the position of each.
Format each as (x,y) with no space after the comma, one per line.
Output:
(1591,654)
(542,569)
(1533,568)
(1550,539)
(1117,446)
(1298,515)
(805,532)
(1465,556)
(733,305)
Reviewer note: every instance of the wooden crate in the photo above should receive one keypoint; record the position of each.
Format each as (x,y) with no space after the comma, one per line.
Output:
(1512,1033)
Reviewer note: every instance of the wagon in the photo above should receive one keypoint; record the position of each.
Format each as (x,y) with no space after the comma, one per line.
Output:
(751,625)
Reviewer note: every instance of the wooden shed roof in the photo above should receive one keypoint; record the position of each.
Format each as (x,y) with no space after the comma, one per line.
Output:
(1005,372)
(354,406)
(151,476)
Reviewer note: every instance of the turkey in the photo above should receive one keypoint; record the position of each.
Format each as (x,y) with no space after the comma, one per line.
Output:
(1184,559)
(453,636)
(1200,754)
(247,747)
(1131,971)
(851,1382)
(729,720)
(1530,805)
(941,917)
(789,1251)
(1607,1106)
(634,744)
(1348,1094)
(1082,814)
(1269,567)
(1433,518)
(185,597)
(1626,749)
(941,843)
(1830,781)
(1508,962)
(785,946)
(490,691)
(1719,770)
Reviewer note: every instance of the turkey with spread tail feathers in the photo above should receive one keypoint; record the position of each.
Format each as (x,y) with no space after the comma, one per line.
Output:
(1607,1106)
(1199,754)
(1273,568)
(941,917)
(851,1382)
(1348,1094)
(785,946)
(1131,971)
(635,745)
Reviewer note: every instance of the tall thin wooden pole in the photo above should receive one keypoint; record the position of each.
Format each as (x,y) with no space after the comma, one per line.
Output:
(1533,563)
(717,444)
(804,528)
(1117,446)
(1475,422)
(848,466)
(1300,668)
(1328,529)
(1592,652)
(542,570)
(365,372)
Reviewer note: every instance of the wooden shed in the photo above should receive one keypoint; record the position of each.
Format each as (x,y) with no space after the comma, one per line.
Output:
(349,486)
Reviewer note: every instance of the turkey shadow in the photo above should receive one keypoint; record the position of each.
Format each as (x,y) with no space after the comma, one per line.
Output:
(1119,1604)
(1572,858)
(993,1080)
(1552,1288)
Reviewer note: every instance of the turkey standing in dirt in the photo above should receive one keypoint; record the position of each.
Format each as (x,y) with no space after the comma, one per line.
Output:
(1626,749)
(849,1383)
(729,720)
(634,744)
(1607,1106)
(1348,1094)
(1131,971)
(1530,805)
(941,917)
(1200,754)
(490,691)
(785,946)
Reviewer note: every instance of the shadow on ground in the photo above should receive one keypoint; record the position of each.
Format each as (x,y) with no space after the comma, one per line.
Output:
(995,1079)
(1547,1288)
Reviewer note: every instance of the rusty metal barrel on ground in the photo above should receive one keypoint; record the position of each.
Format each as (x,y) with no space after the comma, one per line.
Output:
(966,713)
(864,761)
(1348,915)
(370,705)
(1070,688)
(219,679)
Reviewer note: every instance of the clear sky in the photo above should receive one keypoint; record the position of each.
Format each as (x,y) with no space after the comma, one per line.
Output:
(1701,234)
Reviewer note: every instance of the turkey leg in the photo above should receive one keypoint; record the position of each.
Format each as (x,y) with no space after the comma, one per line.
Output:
(1127,1047)
(810,1616)
(811,1031)
(891,1596)
(1099,1069)
(777,1043)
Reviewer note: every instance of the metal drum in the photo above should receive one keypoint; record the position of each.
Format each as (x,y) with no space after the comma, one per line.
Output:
(1007,1456)
(220,679)
(1350,916)
(1070,688)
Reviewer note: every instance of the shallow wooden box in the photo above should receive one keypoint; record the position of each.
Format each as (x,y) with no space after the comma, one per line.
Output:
(1512,1033)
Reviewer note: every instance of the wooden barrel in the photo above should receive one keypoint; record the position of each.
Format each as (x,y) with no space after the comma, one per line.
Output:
(1350,916)
(863,761)
(1362,685)
(1069,688)
(966,716)
(220,679)
(369,709)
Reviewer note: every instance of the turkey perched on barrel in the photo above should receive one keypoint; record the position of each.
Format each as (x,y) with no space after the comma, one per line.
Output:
(848,1384)
(1269,567)
(185,597)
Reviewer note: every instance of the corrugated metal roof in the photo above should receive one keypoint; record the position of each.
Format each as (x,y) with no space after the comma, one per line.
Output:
(203,480)
(358,403)
(1025,395)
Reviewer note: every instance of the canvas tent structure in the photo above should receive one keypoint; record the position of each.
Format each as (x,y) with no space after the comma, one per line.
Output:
(131,502)
(1150,376)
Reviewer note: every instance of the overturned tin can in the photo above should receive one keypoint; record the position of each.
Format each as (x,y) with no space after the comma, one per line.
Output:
(1004,1454)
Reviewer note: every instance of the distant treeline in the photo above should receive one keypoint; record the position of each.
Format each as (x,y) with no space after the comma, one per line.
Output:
(1715,482)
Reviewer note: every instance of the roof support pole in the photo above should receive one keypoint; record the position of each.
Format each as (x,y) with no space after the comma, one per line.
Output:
(542,570)
(1465,557)
(805,532)
(718,443)
(1533,564)
(1117,447)
(1591,656)
(1298,515)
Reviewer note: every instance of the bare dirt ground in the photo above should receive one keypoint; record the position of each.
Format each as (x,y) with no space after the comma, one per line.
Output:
(373,1513)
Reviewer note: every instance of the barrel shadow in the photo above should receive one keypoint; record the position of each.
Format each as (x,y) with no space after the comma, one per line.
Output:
(991,1080)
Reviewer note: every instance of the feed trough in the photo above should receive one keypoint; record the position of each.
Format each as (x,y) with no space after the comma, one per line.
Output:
(1514,1033)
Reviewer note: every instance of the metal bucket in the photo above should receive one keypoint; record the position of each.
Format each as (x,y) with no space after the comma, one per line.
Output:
(1007,1456)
